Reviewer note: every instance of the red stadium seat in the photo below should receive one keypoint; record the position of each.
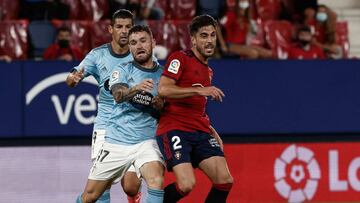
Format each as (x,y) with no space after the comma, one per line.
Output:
(94,9)
(9,9)
(14,38)
(75,8)
(259,38)
(183,34)
(278,36)
(99,33)
(80,36)
(268,9)
(182,9)
(165,34)
(342,39)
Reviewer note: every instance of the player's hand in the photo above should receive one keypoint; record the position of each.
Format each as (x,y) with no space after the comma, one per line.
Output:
(77,76)
(213,92)
(157,103)
(146,85)
(215,135)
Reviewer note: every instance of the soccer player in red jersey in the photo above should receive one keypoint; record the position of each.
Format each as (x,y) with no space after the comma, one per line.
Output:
(184,131)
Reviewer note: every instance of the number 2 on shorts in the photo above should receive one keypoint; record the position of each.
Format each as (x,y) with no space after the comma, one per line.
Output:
(176,141)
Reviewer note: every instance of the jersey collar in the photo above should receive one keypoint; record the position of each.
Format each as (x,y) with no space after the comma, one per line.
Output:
(115,54)
(154,69)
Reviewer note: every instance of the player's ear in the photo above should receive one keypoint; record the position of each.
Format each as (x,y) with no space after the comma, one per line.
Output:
(110,29)
(193,41)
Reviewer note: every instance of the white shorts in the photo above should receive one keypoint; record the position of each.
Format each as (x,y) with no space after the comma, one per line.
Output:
(114,160)
(98,139)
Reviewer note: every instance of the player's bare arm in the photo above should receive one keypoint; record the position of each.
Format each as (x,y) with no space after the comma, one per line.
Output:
(169,89)
(157,103)
(122,93)
(75,77)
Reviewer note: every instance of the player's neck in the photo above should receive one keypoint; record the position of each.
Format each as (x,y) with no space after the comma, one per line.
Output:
(117,49)
(199,56)
(148,64)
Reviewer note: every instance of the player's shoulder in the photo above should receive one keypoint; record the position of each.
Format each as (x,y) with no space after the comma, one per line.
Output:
(100,50)
(180,57)
(101,47)
(182,54)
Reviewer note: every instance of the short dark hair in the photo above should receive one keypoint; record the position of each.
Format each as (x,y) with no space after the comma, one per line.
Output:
(201,21)
(122,13)
(140,28)
(64,29)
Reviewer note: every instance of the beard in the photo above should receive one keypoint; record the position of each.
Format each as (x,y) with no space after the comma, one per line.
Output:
(143,59)
(204,53)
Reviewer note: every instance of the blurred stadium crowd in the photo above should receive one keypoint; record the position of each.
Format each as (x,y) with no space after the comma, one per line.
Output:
(252,29)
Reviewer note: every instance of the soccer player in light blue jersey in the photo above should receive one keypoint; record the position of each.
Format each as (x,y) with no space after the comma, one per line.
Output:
(100,63)
(130,138)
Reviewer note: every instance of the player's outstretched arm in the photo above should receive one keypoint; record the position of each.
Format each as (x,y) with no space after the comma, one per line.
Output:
(75,77)
(122,93)
(168,89)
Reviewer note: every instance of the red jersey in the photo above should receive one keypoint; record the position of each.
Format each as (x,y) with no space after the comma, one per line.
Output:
(297,52)
(186,114)
(54,51)
(318,30)
(235,32)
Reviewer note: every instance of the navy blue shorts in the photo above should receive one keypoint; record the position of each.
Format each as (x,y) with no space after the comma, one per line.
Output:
(187,147)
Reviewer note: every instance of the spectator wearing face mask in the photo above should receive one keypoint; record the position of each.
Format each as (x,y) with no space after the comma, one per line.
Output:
(62,49)
(322,23)
(304,48)
(238,26)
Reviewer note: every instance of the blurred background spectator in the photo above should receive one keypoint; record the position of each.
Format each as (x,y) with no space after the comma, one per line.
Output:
(250,29)
(239,27)
(62,49)
(303,47)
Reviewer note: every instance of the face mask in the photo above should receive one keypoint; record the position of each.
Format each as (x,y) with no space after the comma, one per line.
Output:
(63,43)
(304,42)
(321,17)
(244,4)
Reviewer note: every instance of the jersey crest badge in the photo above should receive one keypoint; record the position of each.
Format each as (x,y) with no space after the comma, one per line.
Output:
(115,76)
(177,155)
(174,66)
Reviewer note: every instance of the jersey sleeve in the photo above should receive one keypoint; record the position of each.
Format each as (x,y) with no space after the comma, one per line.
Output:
(174,66)
(119,76)
(89,65)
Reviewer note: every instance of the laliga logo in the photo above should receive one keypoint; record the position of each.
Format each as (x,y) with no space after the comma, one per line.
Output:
(78,103)
(297,174)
